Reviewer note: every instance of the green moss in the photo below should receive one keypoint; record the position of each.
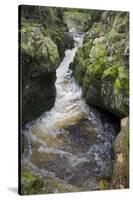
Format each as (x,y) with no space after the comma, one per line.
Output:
(87,48)
(121,85)
(117,85)
(41,51)
(98,50)
(96,31)
(113,36)
(79,65)
(30,184)
(104,77)
(80,72)
(93,75)
(121,22)
(110,72)
(27,175)
(103,185)
(58,37)
(98,67)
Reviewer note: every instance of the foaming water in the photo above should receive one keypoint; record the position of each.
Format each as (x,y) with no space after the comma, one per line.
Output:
(69,106)
(71,137)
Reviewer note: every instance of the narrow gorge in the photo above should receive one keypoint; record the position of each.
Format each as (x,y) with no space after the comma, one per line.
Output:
(74,100)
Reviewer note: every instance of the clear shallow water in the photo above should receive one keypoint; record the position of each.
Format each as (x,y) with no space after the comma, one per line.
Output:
(71,142)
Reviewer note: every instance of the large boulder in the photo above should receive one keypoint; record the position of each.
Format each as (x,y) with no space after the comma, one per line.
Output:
(101,66)
(120,178)
(40,58)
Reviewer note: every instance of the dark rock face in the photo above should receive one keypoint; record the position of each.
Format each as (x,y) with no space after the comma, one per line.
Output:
(43,40)
(39,95)
(101,65)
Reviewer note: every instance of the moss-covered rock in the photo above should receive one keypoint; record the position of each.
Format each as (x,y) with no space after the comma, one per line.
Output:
(30,184)
(101,65)
(103,185)
(41,51)
(55,185)
(40,58)
(33,184)
(115,86)
(81,19)
(43,40)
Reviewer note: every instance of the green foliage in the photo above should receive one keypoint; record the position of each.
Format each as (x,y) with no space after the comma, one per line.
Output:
(95,31)
(121,23)
(30,184)
(113,36)
(98,51)
(110,72)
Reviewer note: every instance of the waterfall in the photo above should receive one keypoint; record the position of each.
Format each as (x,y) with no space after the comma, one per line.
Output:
(71,141)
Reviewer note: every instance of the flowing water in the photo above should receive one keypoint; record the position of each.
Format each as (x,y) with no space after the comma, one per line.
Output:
(71,142)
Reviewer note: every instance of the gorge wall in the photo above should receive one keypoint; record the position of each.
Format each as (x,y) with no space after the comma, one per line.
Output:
(101,66)
(43,40)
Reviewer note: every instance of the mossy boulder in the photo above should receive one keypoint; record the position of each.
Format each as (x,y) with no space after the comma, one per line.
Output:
(34,184)
(115,86)
(101,66)
(41,51)
(40,58)
(43,40)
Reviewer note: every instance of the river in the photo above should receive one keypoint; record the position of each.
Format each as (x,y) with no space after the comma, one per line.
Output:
(71,142)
